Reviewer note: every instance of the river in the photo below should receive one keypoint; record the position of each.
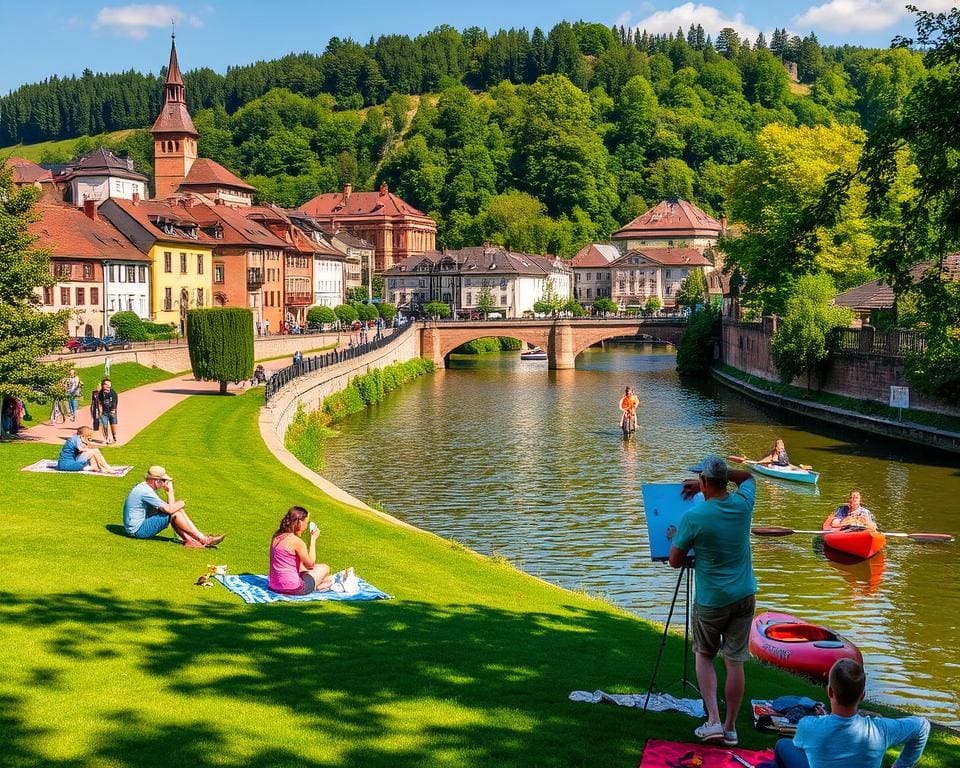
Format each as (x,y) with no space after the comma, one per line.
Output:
(510,458)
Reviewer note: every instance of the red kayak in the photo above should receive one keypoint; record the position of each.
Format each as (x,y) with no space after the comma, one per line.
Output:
(805,649)
(858,542)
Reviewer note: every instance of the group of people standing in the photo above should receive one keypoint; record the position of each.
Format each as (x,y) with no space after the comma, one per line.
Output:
(718,530)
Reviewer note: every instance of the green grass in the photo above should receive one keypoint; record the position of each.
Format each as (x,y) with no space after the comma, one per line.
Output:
(865,407)
(35,152)
(123,377)
(112,657)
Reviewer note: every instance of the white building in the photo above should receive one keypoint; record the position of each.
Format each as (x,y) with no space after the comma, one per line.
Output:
(101,175)
(592,273)
(126,286)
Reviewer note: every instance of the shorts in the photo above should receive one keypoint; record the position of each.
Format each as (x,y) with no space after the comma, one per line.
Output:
(725,629)
(108,418)
(152,526)
(72,465)
(307,585)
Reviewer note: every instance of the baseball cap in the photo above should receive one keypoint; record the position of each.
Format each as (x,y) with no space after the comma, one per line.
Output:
(713,467)
(156,472)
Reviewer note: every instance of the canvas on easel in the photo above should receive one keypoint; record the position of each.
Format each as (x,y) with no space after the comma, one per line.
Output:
(663,507)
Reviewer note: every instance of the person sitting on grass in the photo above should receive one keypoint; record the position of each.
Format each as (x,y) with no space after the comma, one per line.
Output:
(78,454)
(853,515)
(845,738)
(145,513)
(294,569)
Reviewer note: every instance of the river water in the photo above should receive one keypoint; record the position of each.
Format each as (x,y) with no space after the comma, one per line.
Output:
(510,458)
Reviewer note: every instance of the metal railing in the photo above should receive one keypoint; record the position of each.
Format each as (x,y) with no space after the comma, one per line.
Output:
(867,341)
(309,365)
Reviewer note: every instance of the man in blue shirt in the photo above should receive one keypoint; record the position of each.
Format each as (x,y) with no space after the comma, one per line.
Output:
(145,513)
(845,738)
(718,529)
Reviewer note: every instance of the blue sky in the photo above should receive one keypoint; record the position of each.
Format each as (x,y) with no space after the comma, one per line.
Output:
(46,37)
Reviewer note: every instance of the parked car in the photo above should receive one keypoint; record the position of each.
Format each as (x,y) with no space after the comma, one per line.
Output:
(90,344)
(73,344)
(356,325)
(112,342)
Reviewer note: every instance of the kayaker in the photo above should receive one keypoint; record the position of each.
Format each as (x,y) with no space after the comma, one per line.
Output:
(777,457)
(853,515)
(846,738)
(628,410)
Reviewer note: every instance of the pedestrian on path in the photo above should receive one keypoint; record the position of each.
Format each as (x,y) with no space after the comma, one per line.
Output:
(109,402)
(95,407)
(74,389)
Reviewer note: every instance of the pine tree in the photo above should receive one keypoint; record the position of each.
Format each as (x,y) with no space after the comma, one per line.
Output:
(760,43)
(26,333)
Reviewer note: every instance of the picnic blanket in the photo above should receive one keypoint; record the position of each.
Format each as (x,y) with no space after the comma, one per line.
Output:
(782,715)
(252,588)
(674,754)
(659,702)
(50,465)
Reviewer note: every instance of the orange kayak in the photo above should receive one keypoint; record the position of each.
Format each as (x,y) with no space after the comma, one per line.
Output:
(858,542)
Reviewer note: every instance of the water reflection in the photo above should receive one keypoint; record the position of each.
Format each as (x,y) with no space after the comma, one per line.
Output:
(509,457)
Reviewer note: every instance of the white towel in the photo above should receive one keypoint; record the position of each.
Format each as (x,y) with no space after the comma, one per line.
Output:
(659,702)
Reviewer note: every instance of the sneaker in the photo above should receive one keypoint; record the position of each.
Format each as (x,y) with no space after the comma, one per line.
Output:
(215,539)
(730,738)
(709,732)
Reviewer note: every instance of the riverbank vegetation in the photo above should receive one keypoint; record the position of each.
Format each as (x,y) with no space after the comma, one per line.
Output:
(309,430)
(470,664)
(695,350)
(489,344)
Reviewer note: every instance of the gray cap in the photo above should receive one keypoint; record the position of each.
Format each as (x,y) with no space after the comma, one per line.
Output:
(712,467)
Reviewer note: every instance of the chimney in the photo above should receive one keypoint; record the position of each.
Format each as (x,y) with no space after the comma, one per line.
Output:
(723,224)
(384,189)
(136,198)
(347,189)
(90,209)
(218,201)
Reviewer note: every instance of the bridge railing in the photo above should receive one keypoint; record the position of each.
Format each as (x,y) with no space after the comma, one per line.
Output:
(621,317)
(279,379)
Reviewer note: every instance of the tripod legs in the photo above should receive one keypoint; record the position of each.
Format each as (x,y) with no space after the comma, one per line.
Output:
(684,571)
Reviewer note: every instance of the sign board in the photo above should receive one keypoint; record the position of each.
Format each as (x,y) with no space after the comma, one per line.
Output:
(899,397)
(663,507)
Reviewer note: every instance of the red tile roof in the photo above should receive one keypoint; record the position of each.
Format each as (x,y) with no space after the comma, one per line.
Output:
(876,295)
(595,255)
(669,257)
(174,118)
(26,171)
(68,232)
(236,229)
(149,214)
(348,205)
(206,172)
(672,218)
(173,68)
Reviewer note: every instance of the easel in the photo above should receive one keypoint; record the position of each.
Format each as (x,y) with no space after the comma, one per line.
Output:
(685,683)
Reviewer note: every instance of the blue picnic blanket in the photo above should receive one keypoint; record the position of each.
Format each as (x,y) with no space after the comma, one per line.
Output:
(253,588)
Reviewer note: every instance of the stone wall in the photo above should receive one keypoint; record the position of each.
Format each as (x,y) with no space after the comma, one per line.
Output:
(861,375)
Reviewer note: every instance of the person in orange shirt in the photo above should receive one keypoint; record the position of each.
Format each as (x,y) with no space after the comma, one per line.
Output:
(628,408)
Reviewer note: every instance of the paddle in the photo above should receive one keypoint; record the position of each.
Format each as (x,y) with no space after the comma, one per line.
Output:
(778,531)
(742,460)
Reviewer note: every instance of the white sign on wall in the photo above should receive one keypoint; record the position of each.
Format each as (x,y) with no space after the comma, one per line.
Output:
(899,397)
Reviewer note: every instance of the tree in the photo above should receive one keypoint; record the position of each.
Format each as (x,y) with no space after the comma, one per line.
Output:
(695,350)
(356,294)
(387,312)
(345,314)
(321,315)
(128,326)
(801,343)
(437,309)
(604,306)
(368,312)
(693,289)
(653,304)
(220,341)
(26,333)
(551,302)
(485,301)
(575,308)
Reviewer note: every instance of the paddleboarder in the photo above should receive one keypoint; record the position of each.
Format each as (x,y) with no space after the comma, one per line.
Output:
(853,514)
(628,411)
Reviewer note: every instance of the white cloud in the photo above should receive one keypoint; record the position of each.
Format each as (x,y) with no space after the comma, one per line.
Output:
(863,15)
(137,21)
(712,19)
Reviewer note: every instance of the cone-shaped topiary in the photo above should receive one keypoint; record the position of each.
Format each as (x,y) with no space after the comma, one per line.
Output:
(221,344)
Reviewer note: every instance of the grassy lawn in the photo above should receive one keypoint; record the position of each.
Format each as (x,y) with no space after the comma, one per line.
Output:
(123,376)
(865,407)
(114,658)
(36,151)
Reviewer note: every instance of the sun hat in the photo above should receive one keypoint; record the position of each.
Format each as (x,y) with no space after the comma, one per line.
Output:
(712,467)
(156,472)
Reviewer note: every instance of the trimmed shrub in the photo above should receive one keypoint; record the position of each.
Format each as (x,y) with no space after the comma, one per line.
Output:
(387,312)
(220,340)
(369,312)
(322,315)
(129,326)
(345,313)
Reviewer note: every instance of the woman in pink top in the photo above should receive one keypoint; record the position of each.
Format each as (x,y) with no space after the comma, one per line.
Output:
(294,569)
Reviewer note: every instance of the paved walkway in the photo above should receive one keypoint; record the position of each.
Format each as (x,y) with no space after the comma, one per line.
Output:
(138,408)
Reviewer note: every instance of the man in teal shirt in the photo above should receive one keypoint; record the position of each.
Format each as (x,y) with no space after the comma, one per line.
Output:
(718,529)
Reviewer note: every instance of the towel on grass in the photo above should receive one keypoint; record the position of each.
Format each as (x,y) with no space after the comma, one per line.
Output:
(657,754)
(253,589)
(659,702)
(50,465)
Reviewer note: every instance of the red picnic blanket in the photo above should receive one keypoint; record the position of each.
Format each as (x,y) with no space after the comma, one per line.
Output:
(674,754)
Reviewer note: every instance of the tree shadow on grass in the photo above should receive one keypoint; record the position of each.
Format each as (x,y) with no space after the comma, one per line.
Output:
(393,684)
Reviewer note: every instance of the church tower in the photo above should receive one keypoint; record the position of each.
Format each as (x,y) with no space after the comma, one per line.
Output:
(174,135)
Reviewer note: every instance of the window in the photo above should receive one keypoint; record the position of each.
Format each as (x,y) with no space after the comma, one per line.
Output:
(131,274)
(503,299)
(218,273)
(63,271)
(199,263)
(81,297)
(623,285)
(48,295)
(167,299)
(668,274)
(95,296)
(167,261)
(65,297)
(88,271)
(599,276)
(588,293)
(113,275)
(469,298)
(577,277)
(183,263)
(199,297)
(143,274)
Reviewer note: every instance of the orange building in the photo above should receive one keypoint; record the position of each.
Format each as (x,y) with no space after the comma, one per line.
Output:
(174,135)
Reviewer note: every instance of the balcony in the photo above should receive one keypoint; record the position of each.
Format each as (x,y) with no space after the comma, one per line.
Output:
(298,298)
(254,278)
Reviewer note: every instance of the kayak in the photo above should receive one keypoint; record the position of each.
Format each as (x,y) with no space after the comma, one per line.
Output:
(858,542)
(790,472)
(805,649)
(533,354)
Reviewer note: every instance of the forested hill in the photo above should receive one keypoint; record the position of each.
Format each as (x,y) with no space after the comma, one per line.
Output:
(536,141)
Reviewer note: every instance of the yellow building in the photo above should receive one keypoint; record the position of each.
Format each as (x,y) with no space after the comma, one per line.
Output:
(180,251)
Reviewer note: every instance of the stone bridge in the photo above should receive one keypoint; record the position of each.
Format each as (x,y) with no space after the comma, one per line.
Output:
(562,339)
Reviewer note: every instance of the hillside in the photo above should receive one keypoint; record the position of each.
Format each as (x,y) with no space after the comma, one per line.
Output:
(63,150)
